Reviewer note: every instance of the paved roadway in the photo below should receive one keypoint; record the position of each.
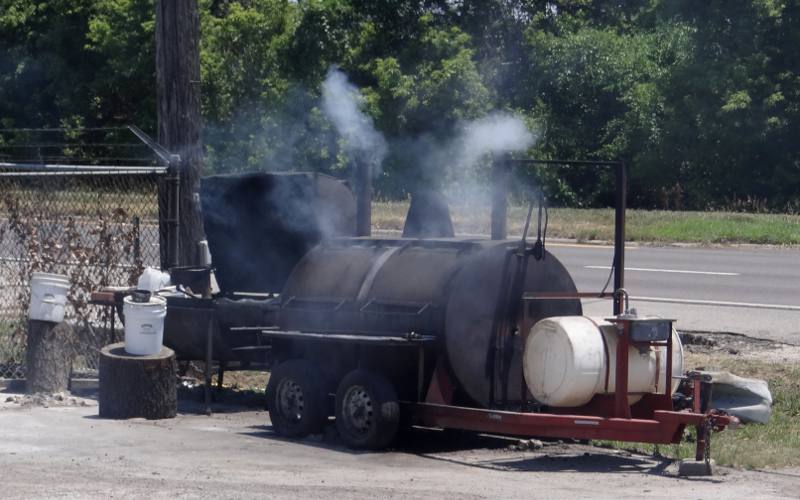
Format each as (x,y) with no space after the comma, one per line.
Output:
(755,283)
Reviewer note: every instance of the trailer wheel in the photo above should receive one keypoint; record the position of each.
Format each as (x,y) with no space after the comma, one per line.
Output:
(367,410)
(296,400)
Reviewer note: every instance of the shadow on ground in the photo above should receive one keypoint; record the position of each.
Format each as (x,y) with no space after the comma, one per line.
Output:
(496,452)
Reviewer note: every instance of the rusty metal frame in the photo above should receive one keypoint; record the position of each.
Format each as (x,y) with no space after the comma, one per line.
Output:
(660,426)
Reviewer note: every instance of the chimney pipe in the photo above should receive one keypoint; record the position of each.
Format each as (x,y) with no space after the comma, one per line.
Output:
(501,169)
(363,184)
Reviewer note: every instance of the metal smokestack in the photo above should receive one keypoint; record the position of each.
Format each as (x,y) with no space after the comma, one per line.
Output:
(500,177)
(363,185)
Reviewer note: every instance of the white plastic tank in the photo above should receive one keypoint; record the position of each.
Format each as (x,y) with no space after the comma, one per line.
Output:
(569,359)
(144,325)
(48,297)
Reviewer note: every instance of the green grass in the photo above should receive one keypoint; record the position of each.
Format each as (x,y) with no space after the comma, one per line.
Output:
(752,446)
(649,226)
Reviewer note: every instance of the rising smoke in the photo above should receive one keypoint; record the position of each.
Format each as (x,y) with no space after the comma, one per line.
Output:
(341,102)
(451,162)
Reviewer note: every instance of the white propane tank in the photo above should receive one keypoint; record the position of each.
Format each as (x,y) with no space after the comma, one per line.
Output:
(144,325)
(566,360)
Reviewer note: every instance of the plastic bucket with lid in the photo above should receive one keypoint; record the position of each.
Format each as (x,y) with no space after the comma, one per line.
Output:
(144,325)
(48,297)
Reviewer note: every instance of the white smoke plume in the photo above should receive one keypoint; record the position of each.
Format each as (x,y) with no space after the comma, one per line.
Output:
(341,102)
(495,133)
(458,164)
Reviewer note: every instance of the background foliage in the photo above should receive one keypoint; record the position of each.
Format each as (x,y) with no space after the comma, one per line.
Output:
(702,98)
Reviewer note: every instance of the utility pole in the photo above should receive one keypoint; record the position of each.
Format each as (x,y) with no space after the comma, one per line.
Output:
(178,90)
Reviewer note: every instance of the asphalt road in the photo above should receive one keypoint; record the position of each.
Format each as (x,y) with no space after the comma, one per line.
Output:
(753,291)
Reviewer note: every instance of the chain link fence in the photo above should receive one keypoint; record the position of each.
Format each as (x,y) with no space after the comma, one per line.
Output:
(96,224)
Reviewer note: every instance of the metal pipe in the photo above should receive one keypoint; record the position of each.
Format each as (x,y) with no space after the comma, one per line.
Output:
(619,233)
(363,181)
(500,178)
(155,147)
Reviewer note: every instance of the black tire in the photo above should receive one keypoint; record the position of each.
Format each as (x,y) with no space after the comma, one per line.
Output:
(367,410)
(296,400)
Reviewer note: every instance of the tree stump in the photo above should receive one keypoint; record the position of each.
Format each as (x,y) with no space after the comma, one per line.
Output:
(48,357)
(137,386)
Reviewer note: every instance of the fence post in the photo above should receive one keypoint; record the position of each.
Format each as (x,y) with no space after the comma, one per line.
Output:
(173,211)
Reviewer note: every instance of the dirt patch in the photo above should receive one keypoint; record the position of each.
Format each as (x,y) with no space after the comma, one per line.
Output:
(723,345)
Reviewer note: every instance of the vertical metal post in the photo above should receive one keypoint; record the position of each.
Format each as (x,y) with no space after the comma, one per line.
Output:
(702,442)
(420,371)
(500,178)
(173,210)
(619,234)
(137,243)
(363,181)
(209,361)
(668,377)
(622,408)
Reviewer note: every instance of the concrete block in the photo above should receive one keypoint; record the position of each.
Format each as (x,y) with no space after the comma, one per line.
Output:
(689,467)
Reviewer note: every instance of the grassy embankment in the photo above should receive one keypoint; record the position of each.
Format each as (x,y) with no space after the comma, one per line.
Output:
(649,226)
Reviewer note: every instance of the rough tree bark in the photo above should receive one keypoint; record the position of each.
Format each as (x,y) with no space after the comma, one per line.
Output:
(48,357)
(179,126)
(137,386)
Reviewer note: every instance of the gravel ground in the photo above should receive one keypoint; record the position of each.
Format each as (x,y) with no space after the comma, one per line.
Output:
(68,452)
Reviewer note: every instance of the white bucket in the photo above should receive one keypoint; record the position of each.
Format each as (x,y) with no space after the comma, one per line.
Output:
(48,297)
(144,325)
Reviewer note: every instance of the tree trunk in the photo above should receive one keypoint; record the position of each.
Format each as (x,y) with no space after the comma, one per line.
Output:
(179,126)
(137,386)
(48,357)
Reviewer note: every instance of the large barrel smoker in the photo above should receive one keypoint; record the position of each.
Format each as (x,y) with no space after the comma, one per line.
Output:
(482,335)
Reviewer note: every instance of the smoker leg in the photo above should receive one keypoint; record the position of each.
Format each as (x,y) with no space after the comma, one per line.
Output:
(703,464)
(221,374)
(209,357)
(701,452)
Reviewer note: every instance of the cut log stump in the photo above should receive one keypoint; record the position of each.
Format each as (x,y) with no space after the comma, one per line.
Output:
(48,357)
(137,386)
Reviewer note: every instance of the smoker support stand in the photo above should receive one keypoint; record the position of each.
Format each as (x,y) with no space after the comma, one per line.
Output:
(209,361)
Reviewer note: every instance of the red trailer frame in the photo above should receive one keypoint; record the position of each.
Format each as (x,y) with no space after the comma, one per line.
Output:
(651,420)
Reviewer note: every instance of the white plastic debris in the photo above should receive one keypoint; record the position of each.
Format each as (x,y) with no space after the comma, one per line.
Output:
(153,280)
(748,399)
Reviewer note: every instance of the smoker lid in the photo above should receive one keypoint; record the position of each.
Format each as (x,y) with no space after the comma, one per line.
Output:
(260,224)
